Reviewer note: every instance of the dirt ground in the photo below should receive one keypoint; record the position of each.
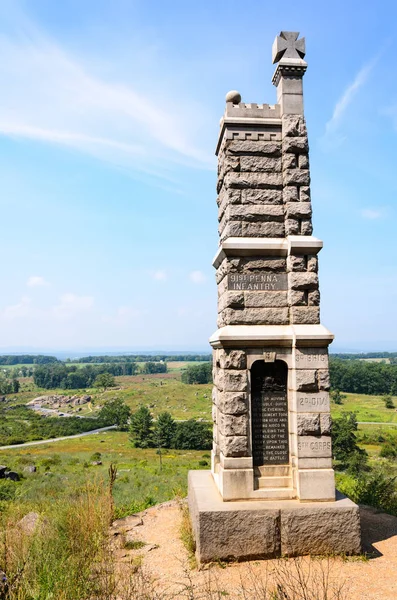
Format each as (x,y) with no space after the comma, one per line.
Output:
(370,577)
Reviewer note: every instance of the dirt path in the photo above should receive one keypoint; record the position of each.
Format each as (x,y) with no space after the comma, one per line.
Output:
(60,439)
(165,557)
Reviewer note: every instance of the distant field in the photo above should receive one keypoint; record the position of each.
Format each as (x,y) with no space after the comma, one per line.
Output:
(367,408)
(140,482)
(377,360)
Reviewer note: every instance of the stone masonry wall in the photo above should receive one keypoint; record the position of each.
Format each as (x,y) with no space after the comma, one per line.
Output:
(230,403)
(264,191)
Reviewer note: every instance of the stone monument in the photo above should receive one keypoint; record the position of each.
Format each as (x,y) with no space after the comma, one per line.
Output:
(271,488)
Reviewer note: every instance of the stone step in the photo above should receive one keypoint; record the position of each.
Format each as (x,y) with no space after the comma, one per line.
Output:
(274,482)
(273,471)
(274,494)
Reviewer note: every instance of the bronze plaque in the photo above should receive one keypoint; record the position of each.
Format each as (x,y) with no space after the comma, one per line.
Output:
(269,414)
(257,281)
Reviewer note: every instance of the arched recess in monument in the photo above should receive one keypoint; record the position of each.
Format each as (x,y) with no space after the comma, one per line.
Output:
(269,413)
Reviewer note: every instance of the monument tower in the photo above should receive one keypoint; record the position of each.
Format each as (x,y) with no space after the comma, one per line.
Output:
(271,411)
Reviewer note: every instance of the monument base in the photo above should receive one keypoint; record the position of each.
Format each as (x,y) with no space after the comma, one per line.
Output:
(245,530)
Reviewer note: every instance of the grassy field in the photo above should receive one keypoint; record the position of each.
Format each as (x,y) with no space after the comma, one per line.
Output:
(367,408)
(141,481)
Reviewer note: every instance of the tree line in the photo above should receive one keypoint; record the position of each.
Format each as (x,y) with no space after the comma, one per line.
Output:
(360,377)
(69,377)
(197,373)
(27,359)
(364,355)
(126,358)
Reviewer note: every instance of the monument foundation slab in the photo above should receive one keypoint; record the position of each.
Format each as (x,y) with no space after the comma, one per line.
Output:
(248,530)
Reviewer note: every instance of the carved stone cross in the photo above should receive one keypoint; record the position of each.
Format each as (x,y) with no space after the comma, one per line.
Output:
(287,45)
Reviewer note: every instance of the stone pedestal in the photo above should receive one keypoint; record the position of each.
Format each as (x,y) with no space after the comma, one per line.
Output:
(247,530)
(272,451)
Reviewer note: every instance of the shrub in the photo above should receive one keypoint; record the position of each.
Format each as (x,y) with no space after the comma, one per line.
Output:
(8,489)
(388,450)
(192,435)
(388,400)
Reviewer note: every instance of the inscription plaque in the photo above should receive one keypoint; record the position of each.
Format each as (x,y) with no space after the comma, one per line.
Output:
(311,358)
(317,402)
(269,413)
(257,281)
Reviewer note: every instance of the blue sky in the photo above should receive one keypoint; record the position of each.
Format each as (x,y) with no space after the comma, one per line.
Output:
(109,115)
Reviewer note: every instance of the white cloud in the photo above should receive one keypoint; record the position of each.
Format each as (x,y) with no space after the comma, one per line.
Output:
(36,281)
(23,308)
(332,137)
(51,96)
(370,213)
(197,277)
(160,275)
(71,304)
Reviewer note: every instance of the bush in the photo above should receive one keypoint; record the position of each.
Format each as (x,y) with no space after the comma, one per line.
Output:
(388,400)
(8,489)
(388,450)
(192,435)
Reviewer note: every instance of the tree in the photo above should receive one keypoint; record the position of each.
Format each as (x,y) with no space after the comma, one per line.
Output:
(115,412)
(344,441)
(201,373)
(388,400)
(192,435)
(105,381)
(337,397)
(164,430)
(141,428)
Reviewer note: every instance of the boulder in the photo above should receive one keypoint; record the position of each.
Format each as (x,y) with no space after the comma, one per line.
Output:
(3,470)
(13,475)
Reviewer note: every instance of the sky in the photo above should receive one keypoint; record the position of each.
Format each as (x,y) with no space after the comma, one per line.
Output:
(109,117)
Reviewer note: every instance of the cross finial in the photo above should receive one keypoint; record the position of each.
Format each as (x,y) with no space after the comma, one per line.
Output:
(287,46)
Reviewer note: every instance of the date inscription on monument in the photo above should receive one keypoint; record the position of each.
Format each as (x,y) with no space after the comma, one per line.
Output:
(270,440)
(257,281)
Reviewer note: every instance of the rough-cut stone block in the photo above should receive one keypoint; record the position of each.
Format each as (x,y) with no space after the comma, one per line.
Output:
(298,210)
(296,263)
(290,194)
(255,180)
(296,145)
(231,380)
(233,403)
(312,264)
(321,529)
(326,424)
(305,315)
(304,193)
(265,229)
(296,298)
(214,412)
(303,281)
(261,196)
(313,298)
(231,300)
(256,316)
(235,446)
(245,147)
(316,485)
(232,425)
(229,197)
(289,161)
(260,300)
(303,161)
(292,227)
(308,424)
(290,177)
(323,380)
(232,359)
(256,212)
(306,227)
(260,163)
(230,229)
(252,263)
(293,126)
(306,380)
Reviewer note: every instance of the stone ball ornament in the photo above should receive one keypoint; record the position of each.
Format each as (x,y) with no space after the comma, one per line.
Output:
(234,97)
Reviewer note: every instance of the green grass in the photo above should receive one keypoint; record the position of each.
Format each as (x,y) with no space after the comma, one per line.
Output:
(367,408)
(140,482)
